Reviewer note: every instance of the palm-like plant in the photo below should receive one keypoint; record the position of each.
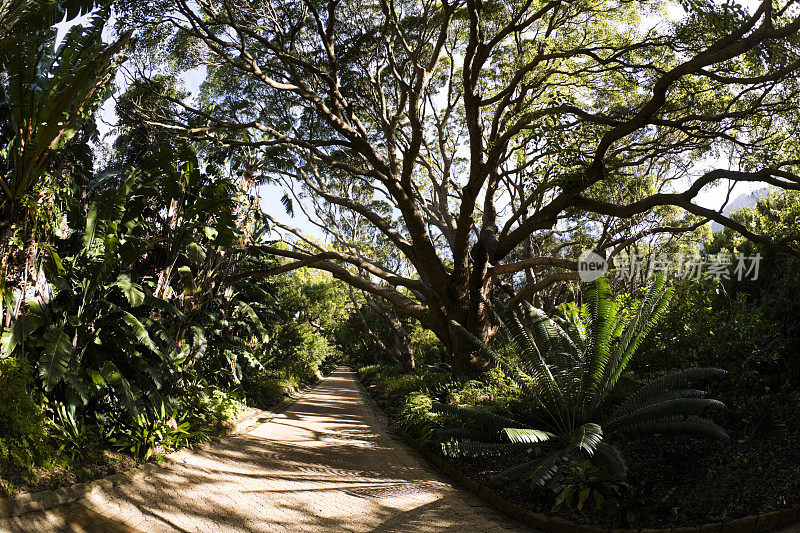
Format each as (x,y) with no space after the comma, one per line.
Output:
(570,370)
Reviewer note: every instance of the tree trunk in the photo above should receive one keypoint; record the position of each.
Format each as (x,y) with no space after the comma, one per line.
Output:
(471,313)
(403,349)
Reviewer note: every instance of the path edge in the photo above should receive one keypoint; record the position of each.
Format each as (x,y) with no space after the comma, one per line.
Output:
(758,523)
(28,502)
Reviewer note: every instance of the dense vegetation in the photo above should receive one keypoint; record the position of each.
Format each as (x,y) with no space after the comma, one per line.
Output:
(715,454)
(130,323)
(455,160)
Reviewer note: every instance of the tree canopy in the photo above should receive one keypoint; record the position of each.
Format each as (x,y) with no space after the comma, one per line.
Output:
(455,151)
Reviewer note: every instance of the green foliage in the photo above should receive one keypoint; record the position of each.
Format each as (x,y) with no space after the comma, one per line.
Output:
(144,433)
(70,433)
(416,417)
(762,317)
(637,500)
(708,326)
(570,370)
(299,350)
(22,421)
(582,485)
(264,391)
(206,406)
(307,308)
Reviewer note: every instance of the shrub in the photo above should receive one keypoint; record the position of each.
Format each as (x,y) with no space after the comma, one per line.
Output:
(22,420)
(264,391)
(146,431)
(70,432)
(583,484)
(416,417)
(369,373)
(705,327)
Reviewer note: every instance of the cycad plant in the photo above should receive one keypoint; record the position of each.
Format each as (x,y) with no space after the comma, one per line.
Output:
(570,370)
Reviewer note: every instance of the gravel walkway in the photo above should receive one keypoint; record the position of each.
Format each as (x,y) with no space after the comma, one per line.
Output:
(324,464)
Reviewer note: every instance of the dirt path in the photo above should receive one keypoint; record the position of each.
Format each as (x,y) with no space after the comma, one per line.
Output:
(325,464)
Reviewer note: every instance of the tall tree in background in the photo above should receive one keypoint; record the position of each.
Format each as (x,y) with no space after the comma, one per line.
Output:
(487,137)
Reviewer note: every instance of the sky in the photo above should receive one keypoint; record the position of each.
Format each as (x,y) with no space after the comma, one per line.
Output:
(270,195)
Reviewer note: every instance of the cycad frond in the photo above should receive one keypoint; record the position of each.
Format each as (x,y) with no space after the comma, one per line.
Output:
(491,355)
(647,315)
(666,384)
(471,449)
(665,409)
(610,459)
(447,434)
(547,467)
(486,420)
(586,437)
(532,358)
(549,335)
(602,312)
(526,436)
(691,425)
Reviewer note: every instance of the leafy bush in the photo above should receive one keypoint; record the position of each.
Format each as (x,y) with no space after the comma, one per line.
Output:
(416,417)
(22,421)
(582,484)
(264,391)
(207,406)
(142,434)
(369,373)
(571,370)
(70,432)
(705,326)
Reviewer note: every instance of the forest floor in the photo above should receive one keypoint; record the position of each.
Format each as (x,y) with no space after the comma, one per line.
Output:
(326,463)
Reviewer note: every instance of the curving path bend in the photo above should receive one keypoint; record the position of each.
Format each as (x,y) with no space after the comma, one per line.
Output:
(326,464)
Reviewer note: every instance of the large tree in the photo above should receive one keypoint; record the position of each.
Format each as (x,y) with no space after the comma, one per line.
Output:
(481,139)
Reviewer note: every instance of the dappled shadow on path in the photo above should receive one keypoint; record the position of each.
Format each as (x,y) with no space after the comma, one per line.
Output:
(322,465)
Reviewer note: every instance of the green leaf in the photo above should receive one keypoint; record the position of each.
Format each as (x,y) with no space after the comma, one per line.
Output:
(582,496)
(187,277)
(55,358)
(23,327)
(529,436)
(195,253)
(132,291)
(140,332)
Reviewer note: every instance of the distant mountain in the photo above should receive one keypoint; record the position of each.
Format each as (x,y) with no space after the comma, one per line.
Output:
(743,200)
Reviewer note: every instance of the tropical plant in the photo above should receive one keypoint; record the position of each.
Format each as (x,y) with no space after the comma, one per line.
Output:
(570,370)
(583,484)
(142,434)
(70,432)
(48,93)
